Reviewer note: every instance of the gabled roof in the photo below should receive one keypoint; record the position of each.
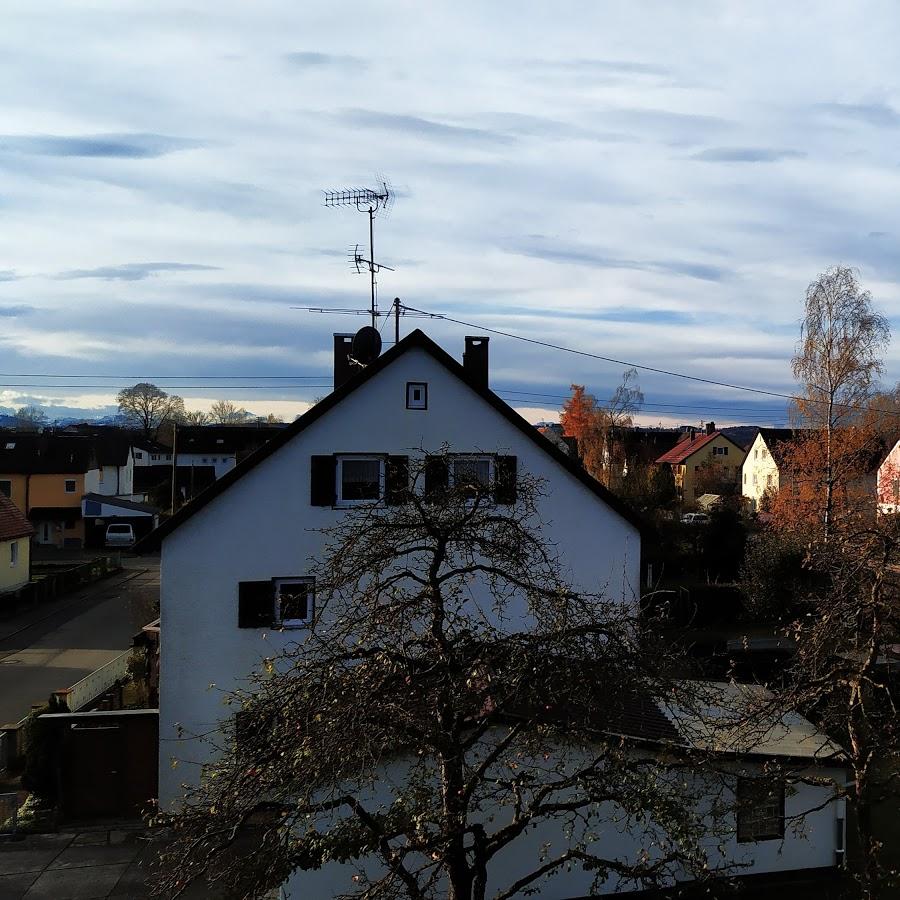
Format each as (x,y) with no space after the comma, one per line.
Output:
(775,439)
(415,340)
(120,502)
(689,445)
(40,454)
(13,522)
(213,439)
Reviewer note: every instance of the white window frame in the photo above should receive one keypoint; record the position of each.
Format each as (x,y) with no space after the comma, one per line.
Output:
(13,554)
(310,603)
(339,478)
(473,457)
(73,482)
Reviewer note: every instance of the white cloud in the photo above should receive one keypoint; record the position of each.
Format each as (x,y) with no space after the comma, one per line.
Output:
(637,157)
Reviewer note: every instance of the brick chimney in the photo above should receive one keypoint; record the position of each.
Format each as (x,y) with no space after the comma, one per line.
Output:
(710,427)
(475,360)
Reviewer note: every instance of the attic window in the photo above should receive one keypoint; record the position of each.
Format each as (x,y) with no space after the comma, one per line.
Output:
(10,445)
(416,395)
(720,451)
(70,486)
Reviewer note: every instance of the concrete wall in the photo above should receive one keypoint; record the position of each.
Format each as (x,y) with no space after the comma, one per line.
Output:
(262,527)
(12,577)
(18,490)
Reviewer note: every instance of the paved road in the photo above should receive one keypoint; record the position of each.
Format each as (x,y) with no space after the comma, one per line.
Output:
(56,644)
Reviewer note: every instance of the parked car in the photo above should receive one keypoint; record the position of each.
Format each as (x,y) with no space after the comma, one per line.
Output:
(695,519)
(119,535)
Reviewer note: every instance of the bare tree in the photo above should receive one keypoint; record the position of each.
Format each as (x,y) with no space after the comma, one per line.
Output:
(196,417)
(838,360)
(30,418)
(224,412)
(450,664)
(149,407)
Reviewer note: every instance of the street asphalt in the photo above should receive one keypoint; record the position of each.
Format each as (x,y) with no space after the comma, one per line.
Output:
(52,645)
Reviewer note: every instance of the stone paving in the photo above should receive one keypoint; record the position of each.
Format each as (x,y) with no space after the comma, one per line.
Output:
(76,865)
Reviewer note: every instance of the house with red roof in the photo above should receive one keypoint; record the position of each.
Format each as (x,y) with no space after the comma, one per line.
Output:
(15,547)
(704,462)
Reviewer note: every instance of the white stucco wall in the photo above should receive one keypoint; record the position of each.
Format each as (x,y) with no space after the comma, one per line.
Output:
(809,841)
(759,472)
(116,481)
(261,528)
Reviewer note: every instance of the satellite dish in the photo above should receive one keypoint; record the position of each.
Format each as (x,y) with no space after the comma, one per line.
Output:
(366,345)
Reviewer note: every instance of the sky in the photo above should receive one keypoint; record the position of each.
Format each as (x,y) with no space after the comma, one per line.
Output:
(651,182)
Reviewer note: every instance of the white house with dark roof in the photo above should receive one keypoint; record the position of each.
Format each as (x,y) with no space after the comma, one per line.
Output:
(256,525)
(236,550)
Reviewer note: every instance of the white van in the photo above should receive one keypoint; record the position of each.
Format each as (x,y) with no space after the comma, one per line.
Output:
(119,536)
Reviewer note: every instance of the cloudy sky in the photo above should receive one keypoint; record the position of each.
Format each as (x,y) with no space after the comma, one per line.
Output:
(650,181)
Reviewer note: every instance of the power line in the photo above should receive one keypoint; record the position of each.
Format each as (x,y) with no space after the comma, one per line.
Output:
(633,365)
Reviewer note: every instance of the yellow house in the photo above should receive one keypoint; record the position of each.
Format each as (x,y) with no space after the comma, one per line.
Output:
(15,547)
(705,463)
(45,479)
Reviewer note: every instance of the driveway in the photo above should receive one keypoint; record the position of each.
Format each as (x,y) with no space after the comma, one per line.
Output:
(95,863)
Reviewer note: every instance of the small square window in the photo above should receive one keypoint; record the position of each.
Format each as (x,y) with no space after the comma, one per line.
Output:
(70,485)
(416,395)
(138,454)
(359,480)
(154,456)
(760,810)
(294,601)
(472,474)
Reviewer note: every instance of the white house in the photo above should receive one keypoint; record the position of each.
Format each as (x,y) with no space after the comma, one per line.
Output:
(765,838)
(226,554)
(256,523)
(761,469)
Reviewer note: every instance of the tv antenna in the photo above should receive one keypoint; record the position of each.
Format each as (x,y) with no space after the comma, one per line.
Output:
(370,201)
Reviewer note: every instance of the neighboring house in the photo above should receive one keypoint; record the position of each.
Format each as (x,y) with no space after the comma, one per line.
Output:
(44,475)
(766,469)
(153,484)
(704,463)
(259,522)
(762,470)
(47,474)
(15,547)
(888,482)
(797,828)
(221,446)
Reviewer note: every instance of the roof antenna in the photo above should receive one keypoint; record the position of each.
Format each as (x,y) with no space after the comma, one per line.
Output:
(370,201)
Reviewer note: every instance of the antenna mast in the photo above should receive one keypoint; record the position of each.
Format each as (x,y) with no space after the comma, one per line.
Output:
(369,201)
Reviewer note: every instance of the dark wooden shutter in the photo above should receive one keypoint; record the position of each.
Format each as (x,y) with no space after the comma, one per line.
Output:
(256,604)
(397,480)
(321,480)
(437,476)
(505,479)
